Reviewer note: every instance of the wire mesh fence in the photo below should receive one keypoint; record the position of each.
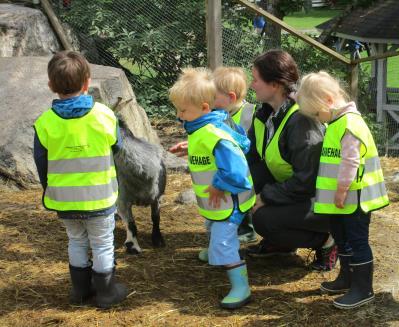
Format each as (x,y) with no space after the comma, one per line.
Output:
(150,40)
(243,40)
(153,40)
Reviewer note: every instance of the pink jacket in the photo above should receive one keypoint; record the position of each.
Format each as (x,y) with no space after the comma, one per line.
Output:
(350,151)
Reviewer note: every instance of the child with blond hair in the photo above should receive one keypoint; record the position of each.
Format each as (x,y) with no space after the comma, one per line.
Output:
(220,175)
(231,90)
(349,186)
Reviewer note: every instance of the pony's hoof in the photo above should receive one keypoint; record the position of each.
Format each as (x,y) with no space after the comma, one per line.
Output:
(130,249)
(158,241)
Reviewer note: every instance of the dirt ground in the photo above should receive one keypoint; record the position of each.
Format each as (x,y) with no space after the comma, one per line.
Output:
(169,286)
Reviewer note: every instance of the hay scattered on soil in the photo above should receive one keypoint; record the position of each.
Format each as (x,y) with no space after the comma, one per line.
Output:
(169,286)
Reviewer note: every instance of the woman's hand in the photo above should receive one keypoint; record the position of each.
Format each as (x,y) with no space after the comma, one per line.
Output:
(180,149)
(340,197)
(258,204)
(215,196)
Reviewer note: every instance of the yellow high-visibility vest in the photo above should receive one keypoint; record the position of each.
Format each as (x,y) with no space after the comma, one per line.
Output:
(81,173)
(278,167)
(243,116)
(368,188)
(202,165)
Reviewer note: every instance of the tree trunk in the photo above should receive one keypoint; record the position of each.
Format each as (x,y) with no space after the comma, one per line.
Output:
(272,34)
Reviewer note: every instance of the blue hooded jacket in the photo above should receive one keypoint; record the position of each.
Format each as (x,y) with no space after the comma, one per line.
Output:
(69,108)
(232,166)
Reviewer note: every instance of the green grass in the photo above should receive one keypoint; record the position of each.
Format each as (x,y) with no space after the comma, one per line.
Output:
(392,72)
(314,17)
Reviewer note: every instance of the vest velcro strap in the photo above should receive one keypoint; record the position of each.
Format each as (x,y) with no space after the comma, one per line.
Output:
(245,196)
(330,170)
(82,193)
(80,165)
(203,203)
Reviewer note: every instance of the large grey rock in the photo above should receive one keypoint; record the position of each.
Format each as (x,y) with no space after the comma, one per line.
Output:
(25,95)
(25,32)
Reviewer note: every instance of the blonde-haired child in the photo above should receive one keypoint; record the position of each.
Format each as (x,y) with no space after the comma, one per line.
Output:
(349,185)
(219,173)
(231,90)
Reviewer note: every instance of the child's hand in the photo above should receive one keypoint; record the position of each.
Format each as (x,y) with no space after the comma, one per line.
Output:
(180,149)
(340,197)
(214,196)
(258,204)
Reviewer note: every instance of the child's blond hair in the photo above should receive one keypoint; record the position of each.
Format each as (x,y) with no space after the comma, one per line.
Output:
(315,89)
(195,86)
(231,79)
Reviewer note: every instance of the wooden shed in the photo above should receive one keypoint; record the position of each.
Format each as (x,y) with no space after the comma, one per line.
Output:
(378,27)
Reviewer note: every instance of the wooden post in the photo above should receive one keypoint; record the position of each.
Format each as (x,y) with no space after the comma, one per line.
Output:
(381,83)
(214,33)
(55,23)
(354,82)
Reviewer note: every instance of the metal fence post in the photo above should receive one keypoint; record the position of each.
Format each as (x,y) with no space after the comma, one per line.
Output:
(214,33)
(354,82)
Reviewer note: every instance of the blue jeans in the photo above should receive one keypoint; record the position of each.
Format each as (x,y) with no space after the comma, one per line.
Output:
(223,240)
(351,234)
(96,232)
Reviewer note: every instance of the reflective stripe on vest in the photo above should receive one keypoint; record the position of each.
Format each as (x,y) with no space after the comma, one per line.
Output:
(243,116)
(369,183)
(203,167)
(81,173)
(278,167)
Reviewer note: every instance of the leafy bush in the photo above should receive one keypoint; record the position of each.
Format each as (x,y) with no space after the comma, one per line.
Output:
(150,40)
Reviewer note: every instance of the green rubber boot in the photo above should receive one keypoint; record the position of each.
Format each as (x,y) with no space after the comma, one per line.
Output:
(203,255)
(240,293)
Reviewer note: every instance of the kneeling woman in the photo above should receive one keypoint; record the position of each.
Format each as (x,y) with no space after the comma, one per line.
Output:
(284,159)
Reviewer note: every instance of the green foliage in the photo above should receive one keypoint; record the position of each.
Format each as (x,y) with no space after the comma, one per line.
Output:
(154,39)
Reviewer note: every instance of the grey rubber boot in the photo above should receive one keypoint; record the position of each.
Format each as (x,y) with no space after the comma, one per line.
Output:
(82,289)
(109,292)
(342,283)
(361,289)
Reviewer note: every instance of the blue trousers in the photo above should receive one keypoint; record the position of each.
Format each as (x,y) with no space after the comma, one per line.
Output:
(351,234)
(96,233)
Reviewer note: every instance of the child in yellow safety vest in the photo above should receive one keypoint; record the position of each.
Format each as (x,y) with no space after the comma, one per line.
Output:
(220,175)
(231,90)
(73,151)
(349,185)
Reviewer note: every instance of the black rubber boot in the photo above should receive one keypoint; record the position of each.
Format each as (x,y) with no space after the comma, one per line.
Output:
(342,283)
(361,289)
(82,289)
(109,292)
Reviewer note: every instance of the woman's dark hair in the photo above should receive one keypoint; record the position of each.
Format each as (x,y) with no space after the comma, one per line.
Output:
(278,66)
